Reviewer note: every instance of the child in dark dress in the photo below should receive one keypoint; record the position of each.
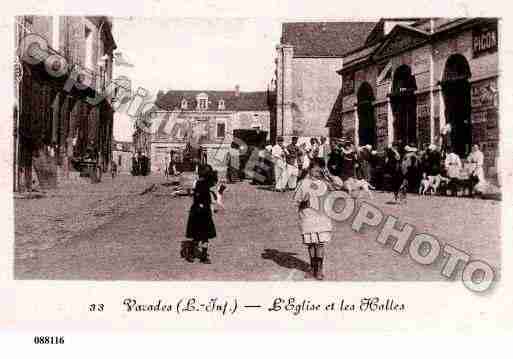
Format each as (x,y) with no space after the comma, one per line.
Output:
(200,225)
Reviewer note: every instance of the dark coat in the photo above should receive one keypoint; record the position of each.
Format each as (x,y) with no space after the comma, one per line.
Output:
(433,160)
(348,166)
(335,163)
(200,225)
(364,167)
(393,169)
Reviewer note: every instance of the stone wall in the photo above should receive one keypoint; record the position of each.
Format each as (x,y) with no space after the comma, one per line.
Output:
(315,86)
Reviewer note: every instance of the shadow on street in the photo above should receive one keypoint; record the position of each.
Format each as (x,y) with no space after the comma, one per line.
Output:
(286,259)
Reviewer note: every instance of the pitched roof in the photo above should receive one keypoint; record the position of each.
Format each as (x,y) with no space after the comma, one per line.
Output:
(325,39)
(244,101)
(335,111)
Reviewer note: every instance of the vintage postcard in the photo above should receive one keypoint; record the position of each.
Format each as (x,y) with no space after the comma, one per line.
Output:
(241,171)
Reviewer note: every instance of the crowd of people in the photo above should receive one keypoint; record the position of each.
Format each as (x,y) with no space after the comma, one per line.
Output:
(282,165)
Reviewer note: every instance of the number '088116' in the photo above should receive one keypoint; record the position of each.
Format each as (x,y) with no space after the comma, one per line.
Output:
(48,340)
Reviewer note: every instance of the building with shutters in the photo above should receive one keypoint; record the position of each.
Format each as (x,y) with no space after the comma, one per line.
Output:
(205,118)
(62,108)
(412,77)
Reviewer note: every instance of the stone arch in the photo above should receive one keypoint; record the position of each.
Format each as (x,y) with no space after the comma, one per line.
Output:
(403,80)
(456,68)
(456,90)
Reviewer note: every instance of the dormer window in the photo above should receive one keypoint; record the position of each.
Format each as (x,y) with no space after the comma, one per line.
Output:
(202,100)
(184,104)
(221,105)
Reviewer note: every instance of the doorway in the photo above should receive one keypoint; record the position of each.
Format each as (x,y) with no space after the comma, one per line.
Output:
(456,92)
(366,118)
(404,106)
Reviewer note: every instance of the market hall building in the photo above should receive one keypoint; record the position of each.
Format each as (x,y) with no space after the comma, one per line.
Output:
(411,77)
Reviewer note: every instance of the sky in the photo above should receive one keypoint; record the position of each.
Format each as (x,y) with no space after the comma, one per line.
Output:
(196,54)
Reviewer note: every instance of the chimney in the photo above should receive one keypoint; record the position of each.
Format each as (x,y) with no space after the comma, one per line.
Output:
(237,90)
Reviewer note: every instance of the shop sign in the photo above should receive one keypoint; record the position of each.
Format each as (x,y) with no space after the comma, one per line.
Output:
(479,117)
(348,84)
(484,95)
(484,40)
(18,70)
(423,120)
(423,110)
(493,134)
(382,124)
(382,132)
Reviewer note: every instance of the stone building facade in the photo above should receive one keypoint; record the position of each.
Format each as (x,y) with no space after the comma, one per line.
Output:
(308,56)
(62,106)
(207,119)
(415,76)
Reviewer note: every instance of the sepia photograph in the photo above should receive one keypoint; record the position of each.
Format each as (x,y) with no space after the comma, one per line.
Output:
(257,149)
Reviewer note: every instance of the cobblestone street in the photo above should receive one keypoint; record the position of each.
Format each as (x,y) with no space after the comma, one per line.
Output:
(111,232)
(75,207)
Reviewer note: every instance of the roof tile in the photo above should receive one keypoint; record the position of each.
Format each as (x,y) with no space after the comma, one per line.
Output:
(245,101)
(325,39)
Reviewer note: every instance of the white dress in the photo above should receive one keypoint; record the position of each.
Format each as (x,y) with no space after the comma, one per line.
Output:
(280,167)
(315,225)
(453,165)
(477,160)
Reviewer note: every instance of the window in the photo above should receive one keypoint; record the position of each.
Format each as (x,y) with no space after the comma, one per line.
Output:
(184,104)
(202,101)
(29,22)
(221,105)
(255,123)
(221,130)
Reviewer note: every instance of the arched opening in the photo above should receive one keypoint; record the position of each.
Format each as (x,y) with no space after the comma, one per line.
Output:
(404,106)
(457,98)
(366,119)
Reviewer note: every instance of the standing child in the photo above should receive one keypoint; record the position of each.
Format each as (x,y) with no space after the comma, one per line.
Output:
(200,225)
(316,226)
(114,169)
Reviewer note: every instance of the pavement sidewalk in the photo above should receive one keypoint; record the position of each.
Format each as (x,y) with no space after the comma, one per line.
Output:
(78,206)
